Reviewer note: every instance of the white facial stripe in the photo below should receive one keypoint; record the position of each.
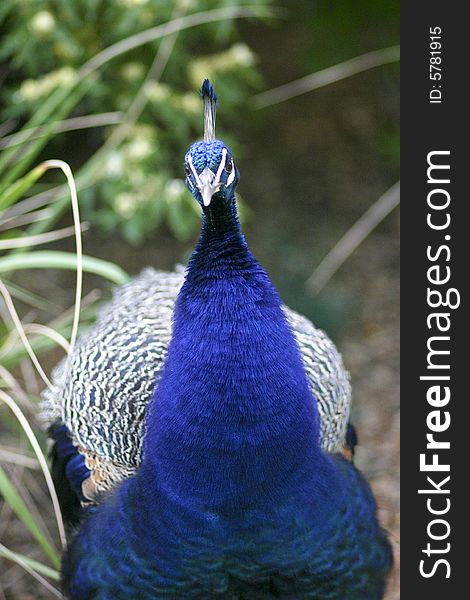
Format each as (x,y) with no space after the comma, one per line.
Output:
(231,177)
(191,166)
(223,160)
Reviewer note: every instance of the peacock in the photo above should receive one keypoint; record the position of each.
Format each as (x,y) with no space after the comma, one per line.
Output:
(201,431)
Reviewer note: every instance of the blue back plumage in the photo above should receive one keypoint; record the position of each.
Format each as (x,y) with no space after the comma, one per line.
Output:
(234,497)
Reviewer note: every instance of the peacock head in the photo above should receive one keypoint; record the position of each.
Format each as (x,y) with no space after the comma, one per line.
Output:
(210,171)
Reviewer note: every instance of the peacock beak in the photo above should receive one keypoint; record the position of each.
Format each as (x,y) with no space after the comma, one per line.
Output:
(208,185)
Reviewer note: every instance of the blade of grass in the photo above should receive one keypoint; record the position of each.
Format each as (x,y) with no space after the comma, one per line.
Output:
(43,238)
(12,384)
(11,357)
(34,564)
(73,124)
(320,79)
(15,458)
(17,189)
(42,462)
(88,310)
(55,336)
(27,565)
(51,259)
(38,344)
(19,328)
(352,238)
(7,126)
(28,374)
(24,484)
(67,171)
(11,496)
(28,205)
(28,297)
(6,513)
(10,222)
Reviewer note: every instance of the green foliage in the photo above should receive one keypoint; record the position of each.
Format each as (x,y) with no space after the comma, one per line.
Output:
(136,183)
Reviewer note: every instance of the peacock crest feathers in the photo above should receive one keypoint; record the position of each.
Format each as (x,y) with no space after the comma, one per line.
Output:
(209,100)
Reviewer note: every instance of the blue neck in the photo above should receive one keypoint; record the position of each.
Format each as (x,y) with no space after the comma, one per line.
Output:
(233,424)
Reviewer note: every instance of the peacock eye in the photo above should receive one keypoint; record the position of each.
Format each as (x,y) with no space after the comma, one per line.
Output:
(229,167)
(187,169)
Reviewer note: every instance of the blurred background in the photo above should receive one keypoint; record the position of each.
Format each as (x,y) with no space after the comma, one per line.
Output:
(110,87)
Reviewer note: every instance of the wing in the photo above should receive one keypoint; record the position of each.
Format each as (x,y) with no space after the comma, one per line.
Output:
(100,393)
